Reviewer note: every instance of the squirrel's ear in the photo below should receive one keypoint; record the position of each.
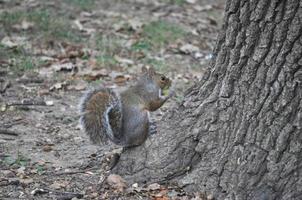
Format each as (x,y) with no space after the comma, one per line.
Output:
(144,69)
(151,70)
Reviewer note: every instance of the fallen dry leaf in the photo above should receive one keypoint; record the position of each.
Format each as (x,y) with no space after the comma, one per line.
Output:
(49,103)
(121,79)
(26,181)
(203,8)
(123,61)
(21,170)
(161,194)
(63,66)
(78,24)
(58,86)
(117,182)
(25,25)
(47,148)
(153,186)
(80,85)
(93,75)
(8,42)
(135,24)
(59,184)
(119,26)
(189,48)
(46,72)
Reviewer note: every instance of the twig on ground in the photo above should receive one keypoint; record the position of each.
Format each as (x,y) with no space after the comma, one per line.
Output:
(7,139)
(70,172)
(28,102)
(30,80)
(61,195)
(8,132)
(73,172)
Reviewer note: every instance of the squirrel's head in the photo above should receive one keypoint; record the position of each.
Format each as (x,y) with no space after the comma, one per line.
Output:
(162,81)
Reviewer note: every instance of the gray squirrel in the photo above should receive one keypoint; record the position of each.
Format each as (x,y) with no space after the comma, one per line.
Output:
(123,118)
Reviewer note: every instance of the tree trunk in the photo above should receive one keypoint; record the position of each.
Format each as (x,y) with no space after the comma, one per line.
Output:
(238,133)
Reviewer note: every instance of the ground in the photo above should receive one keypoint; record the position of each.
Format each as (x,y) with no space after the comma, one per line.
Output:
(52,51)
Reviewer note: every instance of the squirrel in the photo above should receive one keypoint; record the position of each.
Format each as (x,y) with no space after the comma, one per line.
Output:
(123,117)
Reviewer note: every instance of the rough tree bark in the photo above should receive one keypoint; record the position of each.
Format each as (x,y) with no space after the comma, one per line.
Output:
(238,133)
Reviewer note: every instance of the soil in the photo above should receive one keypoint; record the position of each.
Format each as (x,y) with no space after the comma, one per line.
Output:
(43,152)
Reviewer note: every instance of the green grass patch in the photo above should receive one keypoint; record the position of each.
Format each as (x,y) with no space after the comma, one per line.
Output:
(19,60)
(108,48)
(40,169)
(179,98)
(39,17)
(159,65)
(106,61)
(11,18)
(24,63)
(177,2)
(161,33)
(141,46)
(174,2)
(82,4)
(109,45)
(60,29)
(95,83)
(19,161)
(45,24)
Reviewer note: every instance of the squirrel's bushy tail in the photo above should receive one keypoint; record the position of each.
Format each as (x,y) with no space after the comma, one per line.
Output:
(100,108)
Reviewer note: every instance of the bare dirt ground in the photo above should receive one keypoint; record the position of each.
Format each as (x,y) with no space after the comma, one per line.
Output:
(52,51)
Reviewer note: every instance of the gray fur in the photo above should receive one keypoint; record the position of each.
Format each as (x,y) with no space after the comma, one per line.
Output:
(122,117)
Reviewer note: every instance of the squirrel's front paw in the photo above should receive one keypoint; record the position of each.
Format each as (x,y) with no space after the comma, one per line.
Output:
(171,93)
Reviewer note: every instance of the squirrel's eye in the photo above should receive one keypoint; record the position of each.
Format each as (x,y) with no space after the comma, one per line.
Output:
(163,78)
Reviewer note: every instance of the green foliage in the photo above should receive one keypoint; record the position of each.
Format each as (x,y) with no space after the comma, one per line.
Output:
(7,160)
(179,98)
(40,169)
(20,160)
(141,46)
(25,63)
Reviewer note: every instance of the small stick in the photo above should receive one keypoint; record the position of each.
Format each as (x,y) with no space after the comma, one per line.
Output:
(30,80)
(8,132)
(28,103)
(60,194)
(70,173)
